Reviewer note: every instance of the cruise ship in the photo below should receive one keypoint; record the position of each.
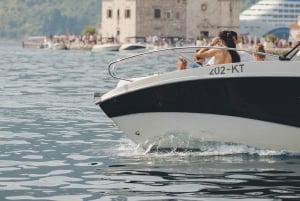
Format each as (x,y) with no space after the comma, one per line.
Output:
(270,17)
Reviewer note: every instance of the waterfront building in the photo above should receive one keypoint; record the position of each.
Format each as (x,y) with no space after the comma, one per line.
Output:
(188,19)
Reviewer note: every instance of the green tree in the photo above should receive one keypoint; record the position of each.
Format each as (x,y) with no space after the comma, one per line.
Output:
(20,18)
(89,30)
(271,38)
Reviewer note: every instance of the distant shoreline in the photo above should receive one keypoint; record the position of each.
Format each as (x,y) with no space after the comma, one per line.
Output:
(79,46)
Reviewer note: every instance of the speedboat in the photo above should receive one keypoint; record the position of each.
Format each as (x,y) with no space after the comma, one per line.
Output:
(255,103)
(106,47)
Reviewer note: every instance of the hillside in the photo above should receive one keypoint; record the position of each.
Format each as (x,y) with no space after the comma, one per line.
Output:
(19,18)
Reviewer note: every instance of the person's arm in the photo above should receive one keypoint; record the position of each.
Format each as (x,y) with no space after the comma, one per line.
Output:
(207,51)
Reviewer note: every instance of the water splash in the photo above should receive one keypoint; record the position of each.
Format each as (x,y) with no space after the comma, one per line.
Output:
(185,144)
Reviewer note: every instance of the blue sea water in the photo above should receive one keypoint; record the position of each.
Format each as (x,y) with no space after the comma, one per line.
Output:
(56,144)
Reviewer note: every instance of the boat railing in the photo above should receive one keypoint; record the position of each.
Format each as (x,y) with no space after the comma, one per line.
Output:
(290,54)
(171,55)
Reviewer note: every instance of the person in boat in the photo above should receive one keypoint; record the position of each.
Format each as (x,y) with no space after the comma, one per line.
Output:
(198,61)
(181,63)
(257,56)
(221,55)
(244,56)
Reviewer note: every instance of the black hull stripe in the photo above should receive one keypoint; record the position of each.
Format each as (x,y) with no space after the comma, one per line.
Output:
(273,99)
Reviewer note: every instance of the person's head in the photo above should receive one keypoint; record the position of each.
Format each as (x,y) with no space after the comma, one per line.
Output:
(226,38)
(181,63)
(259,48)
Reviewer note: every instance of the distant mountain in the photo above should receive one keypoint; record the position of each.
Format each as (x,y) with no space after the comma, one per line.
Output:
(19,18)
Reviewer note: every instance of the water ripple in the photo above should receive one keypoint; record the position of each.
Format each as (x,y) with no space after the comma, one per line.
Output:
(56,144)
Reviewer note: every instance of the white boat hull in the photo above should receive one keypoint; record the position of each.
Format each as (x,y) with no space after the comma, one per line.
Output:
(149,128)
(58,46)
(106,47)
(133,47)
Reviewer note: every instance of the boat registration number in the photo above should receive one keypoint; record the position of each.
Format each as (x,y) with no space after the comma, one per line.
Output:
(222,70)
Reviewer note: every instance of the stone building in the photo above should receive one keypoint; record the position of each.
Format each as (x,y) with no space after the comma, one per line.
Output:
(188,19)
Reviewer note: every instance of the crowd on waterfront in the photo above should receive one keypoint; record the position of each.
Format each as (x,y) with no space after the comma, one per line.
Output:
(244,41)
(86,42)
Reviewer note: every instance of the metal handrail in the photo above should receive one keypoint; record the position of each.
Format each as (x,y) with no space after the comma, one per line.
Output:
(111,66)
(292,53)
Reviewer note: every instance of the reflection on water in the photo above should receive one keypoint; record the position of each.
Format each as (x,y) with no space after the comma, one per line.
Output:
(188,176)
(56,144)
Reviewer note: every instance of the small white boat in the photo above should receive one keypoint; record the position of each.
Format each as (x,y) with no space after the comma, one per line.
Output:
(134,44)
(106,47)
(58,46)
(133,47)
(33,42)
(251,103)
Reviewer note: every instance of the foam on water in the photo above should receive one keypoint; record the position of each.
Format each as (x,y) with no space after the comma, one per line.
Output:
(178,145)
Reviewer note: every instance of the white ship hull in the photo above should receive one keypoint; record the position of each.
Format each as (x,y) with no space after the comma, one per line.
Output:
(270,17)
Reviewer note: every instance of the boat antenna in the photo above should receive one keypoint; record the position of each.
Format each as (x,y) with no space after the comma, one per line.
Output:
(292,53)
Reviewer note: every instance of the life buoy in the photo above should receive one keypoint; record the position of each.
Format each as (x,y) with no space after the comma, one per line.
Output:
(204,7)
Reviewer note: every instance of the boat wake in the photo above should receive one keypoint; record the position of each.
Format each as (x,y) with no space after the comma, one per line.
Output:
(184,144)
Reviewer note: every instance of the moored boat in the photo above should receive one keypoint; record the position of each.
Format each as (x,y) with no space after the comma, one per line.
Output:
(106,47)
(59,46)
(251,103)
(133,47)
(134,44)
(33,42)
